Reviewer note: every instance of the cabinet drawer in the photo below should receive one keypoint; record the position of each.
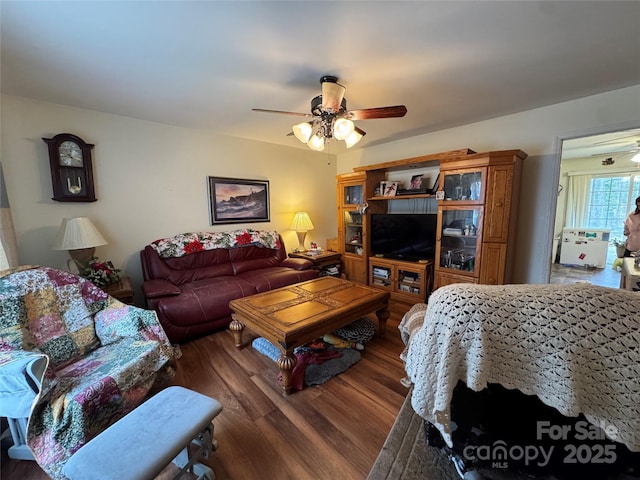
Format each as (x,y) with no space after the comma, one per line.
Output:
(445,278)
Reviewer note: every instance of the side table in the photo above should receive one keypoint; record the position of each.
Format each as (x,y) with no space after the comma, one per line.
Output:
(327,262)
(121,290)
(630,277)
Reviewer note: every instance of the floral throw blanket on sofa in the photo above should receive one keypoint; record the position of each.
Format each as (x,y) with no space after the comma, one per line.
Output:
(101,359)
(188,243)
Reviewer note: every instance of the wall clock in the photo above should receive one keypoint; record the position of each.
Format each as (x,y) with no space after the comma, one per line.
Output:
(71,168)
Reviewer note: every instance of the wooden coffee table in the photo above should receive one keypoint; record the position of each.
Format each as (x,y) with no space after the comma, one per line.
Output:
(291,316)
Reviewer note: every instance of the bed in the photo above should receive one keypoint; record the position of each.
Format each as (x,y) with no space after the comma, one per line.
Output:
(574,349)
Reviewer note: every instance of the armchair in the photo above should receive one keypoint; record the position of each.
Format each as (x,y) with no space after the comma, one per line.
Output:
(73,361)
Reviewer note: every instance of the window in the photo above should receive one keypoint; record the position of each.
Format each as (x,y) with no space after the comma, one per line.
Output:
(611,198)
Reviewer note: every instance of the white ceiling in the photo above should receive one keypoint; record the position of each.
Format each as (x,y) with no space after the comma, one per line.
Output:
(206,64)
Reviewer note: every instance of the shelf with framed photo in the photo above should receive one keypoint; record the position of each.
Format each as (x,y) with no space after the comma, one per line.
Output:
(417,188)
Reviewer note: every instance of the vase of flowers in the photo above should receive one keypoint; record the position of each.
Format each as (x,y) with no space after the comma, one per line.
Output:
(100,273)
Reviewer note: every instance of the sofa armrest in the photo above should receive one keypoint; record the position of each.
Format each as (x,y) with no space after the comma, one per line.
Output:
(297,263)
(159,288)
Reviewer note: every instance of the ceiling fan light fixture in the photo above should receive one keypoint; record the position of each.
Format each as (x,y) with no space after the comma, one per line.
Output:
(332,119)
(303,131)
(636,158)
(316,142)
(354,137)
(342,128)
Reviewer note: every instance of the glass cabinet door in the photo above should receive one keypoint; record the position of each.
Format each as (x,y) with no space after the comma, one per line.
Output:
(464,185)
(381,276)
(352,194)
(459,246)
(353,232)
(410,281)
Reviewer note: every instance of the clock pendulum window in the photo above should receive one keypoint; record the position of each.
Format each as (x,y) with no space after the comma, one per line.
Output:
(71,168)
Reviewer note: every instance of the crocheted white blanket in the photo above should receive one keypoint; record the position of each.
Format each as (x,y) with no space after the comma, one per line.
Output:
(577,347)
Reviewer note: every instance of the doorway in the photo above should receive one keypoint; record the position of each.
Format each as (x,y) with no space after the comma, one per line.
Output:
(596,188)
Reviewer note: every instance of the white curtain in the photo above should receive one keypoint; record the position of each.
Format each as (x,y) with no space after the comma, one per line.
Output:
(578,192)
(8,246)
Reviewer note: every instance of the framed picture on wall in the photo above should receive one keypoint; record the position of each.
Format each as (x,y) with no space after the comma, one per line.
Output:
(236,200)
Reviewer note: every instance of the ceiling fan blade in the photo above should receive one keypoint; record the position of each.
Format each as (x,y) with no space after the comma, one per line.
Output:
(616,152)
(618,140)
(281,111)
(379,112)
(332,95)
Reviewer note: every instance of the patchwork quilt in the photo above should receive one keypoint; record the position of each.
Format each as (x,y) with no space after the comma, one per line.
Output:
(100,359)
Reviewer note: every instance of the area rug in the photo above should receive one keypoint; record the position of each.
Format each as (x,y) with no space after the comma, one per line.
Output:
(331,357)
(405,455)
(313,372)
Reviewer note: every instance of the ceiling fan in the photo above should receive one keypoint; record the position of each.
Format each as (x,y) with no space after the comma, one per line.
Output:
(630,150)
(330,117)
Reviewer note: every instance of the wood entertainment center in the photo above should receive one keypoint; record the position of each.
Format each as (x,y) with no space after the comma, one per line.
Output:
(477,200)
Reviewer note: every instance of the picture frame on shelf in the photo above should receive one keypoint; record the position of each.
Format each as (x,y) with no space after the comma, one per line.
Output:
(390,189)
(237,200)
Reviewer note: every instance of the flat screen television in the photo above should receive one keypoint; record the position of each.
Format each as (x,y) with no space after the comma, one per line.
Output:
(404,236)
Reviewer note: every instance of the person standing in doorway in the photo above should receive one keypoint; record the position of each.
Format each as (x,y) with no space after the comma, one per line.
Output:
(632,231)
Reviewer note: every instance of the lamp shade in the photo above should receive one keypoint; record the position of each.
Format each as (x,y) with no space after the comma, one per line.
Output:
(316,142)
(342,128)
(77,233)
(301,222)
(354,137)
(303,131)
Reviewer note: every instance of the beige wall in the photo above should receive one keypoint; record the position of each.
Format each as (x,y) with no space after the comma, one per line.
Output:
(150,181)
(538,133)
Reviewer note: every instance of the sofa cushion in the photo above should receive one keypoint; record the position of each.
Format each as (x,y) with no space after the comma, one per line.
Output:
(267,279)
(181,270)
(252,258)
(202,301)
(205,264)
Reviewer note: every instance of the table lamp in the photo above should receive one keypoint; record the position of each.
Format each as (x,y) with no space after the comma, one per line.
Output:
(80,237)
(301,225)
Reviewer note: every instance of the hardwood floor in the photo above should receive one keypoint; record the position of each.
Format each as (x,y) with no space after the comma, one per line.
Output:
(331,431)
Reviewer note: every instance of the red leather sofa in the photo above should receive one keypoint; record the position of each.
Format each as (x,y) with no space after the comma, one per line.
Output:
(191,293)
